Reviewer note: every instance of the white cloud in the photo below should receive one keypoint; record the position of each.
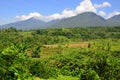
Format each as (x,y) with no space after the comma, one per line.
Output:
(85,6)
(113,14)
(53,17)
(104,4)
(35,15)
(102,13)
(66,13)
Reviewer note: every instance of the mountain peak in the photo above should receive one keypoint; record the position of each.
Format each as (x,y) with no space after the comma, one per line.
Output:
(87,19)
(34,19)
(116,17)
(88,13)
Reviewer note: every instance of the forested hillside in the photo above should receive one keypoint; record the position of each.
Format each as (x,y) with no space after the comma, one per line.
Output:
(91,53)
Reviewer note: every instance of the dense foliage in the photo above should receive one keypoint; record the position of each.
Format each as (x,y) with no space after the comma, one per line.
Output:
(24,56)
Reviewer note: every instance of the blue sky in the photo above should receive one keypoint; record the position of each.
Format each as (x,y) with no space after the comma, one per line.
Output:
(46,10)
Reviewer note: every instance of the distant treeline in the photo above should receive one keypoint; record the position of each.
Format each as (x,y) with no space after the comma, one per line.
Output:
(58,35)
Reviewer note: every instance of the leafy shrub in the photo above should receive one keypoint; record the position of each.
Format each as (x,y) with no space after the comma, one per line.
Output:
(39,69)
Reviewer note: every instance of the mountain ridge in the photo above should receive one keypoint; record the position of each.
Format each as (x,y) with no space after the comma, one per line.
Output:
(86,19)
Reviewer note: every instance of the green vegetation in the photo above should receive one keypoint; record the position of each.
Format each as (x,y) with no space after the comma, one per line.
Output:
(60,54)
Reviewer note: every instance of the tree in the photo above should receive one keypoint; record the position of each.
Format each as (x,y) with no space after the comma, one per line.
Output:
(36,52)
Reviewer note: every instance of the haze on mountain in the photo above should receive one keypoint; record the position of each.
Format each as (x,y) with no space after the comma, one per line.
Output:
(114,21)
(86,19)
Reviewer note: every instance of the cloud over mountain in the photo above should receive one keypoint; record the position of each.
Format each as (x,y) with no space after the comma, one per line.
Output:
(84,6)
(113,14)
(86,19)
(104,4)
(102,13)
(35,15)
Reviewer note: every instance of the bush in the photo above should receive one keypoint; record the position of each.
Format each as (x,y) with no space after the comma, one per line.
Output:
(39,69)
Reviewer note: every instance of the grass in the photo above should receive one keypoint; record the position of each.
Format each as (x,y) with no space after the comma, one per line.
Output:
(61,77)
(51,50)
(96,45)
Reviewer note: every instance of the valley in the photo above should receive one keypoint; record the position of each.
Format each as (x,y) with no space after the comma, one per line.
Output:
(90,53)
(59,40)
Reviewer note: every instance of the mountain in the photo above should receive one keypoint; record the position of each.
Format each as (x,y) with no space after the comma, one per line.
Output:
(31,23)
(50,23)
(82,20)
(114,21)
(87,19)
